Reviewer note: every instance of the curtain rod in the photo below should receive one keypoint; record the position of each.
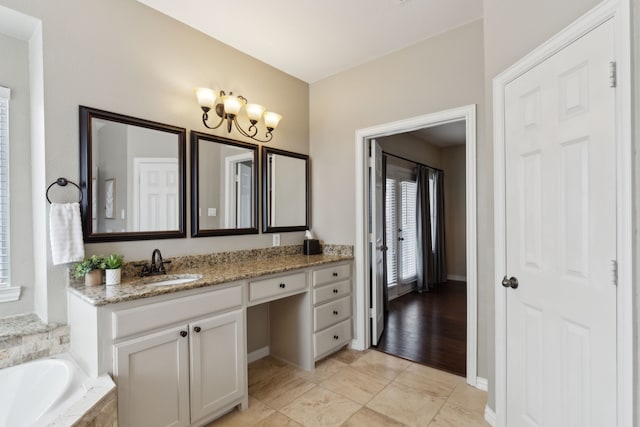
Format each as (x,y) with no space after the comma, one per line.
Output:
(411,161)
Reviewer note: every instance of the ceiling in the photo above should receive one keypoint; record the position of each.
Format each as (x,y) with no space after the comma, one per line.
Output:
(314,39)
(445,135)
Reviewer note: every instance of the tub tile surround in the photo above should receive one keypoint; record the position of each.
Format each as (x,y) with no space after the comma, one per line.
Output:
(98,407)
(25,337)
(216,268)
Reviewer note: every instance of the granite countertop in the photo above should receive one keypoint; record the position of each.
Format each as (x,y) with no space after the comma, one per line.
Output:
(137,288)
(24,324)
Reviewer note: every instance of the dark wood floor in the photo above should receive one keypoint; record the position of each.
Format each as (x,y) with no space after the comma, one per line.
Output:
(429,328)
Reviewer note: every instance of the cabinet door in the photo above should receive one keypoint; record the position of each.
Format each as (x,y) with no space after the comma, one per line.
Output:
(152,373)
(218,367)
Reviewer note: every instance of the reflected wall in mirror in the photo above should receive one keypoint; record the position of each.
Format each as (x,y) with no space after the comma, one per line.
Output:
(224,184)
(132,177)
(285,191)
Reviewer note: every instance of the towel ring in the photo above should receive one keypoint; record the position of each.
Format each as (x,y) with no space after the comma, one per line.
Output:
(62,182)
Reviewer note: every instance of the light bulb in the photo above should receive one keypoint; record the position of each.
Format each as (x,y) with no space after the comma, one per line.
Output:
(271,119)
(206,97)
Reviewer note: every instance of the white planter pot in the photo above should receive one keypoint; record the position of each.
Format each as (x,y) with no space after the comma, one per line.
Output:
(113,276)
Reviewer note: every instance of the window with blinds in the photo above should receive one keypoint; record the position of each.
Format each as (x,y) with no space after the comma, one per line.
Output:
(400,226)
(4,187)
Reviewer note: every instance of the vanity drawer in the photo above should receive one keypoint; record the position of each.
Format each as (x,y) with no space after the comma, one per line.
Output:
(335,290)
(147,317)
(331,274)
(331,338)
(330,313)
(276,286)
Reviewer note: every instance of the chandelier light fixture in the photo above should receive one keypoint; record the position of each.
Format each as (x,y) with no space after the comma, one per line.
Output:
(227,107)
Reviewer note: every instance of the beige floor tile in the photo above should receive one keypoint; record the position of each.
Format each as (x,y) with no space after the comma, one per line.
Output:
(465,396)
(256,412)
(324,369)
(267,367)
(348,356)
(454,416)
(435,382)
(366,417)
(280,389)
(408,405)
(376,363)
(278,420)
(355,385)
(321,407)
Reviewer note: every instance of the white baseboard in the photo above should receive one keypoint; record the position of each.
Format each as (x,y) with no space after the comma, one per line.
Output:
(456,278)
(258,354)
(489,416)
(482,384)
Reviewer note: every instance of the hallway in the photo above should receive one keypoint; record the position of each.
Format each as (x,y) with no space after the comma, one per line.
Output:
(429,328)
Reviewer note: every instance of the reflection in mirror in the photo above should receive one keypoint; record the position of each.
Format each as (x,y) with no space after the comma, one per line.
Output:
(285,191)
(136,173)
(223,186)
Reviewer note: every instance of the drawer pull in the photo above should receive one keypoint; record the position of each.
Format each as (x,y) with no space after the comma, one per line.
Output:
(335,312)
(197,328)
(184,333)
(335,337)
(335,274)
(335,291)
(282,285)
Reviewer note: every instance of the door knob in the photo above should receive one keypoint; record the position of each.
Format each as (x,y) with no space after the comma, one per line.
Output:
(510,282)
(382,248)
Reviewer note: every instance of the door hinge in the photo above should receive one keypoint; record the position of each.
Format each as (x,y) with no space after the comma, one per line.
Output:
(613,75)
(614,271)
(371,315)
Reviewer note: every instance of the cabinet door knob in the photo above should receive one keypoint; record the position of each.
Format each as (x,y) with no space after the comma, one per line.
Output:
(335,337)
(335,274)
(197,328)
(184,333)
(335,312)
(282,285)
(335,291)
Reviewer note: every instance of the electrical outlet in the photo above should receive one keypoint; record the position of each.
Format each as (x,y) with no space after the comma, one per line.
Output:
(276,240)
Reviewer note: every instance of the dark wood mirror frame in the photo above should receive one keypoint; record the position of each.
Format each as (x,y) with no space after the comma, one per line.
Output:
(86,116)
(266,228)
(195,138)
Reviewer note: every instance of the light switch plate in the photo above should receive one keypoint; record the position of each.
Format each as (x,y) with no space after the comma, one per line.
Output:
(211,212)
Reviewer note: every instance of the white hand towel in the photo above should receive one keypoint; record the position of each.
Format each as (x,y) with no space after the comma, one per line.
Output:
(65,228)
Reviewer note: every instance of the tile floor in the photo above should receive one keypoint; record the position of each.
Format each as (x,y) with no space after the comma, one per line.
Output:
(353,388)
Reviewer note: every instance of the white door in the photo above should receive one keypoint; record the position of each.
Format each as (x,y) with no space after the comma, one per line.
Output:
(244,194)
(561,238)
(157,200)
(376,245)
(217,363)
(146,399)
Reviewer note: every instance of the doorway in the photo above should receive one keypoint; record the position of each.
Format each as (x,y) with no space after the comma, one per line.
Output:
(364,311)
(425,302)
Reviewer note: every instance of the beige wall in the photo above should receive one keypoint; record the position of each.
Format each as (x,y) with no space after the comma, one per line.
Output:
(455,206)
(512,28)
(14,74)
(443,72)
(145,66)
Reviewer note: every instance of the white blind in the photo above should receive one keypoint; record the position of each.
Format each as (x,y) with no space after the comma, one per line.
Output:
(391,231)
(408,245)
(4,187)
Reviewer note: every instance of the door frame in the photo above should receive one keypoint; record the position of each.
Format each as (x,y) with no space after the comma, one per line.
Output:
(467,113)
(619,12)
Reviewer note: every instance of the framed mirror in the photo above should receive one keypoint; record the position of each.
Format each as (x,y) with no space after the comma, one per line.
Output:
(285,191)
(224,182)
(132,174)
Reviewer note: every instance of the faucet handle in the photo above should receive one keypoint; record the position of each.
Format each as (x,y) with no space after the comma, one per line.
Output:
(161,268)
(145,269)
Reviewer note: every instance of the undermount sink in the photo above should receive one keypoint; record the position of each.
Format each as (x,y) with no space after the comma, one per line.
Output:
(170,279)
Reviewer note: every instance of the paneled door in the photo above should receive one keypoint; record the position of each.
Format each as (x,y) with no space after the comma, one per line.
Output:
(376,244)
(156,194)
(560,155)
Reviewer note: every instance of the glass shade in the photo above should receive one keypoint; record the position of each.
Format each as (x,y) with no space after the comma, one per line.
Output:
(232,104)
(254,111)
(271,119)
(206,97)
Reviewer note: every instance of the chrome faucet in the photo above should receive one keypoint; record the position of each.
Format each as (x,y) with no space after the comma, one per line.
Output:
(157,265)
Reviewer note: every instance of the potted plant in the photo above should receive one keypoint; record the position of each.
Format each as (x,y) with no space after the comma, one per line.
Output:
(91,269)
(113,268)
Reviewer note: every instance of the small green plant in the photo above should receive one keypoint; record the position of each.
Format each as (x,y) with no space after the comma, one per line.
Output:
(113,261)
(92,263)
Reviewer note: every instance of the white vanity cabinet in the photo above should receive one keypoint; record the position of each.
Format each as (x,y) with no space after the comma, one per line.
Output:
(177,361)
(332,308)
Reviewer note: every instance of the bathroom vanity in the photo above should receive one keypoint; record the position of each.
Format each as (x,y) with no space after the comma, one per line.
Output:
(178,351)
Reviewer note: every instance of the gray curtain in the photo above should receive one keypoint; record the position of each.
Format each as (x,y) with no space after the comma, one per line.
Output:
(423,225)
(438,271)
